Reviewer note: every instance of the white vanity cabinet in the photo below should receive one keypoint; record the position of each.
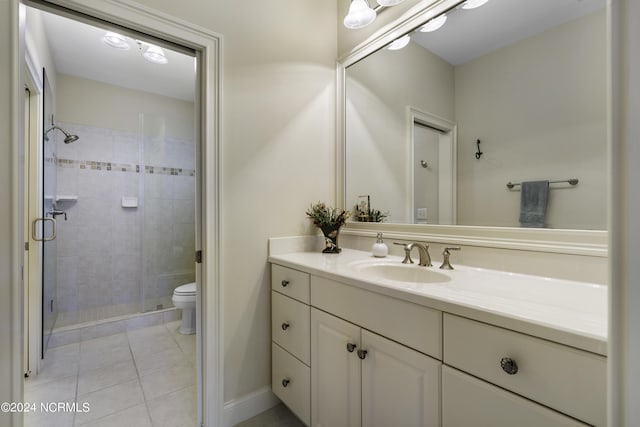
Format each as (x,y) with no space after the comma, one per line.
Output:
(290,347)
(344,355)
(359,378)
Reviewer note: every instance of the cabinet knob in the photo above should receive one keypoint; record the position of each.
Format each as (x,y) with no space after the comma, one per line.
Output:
(362,354)
(285,283)
(285,326)
(509,365)
(285,382)
(351,347)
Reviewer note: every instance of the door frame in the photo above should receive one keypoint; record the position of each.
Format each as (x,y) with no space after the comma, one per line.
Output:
(208,48)
(448,139)
(33,208)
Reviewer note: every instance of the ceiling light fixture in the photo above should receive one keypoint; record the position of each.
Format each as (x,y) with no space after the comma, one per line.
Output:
(433,24)
(115,40)
(472,4)
(387,3)
(398,44)
(155,54)
(360,15)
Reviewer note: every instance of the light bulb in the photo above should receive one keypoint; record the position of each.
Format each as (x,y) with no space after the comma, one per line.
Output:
(155,54)
(398,44)
(387,3)
(115,40)
(360,15)
(472,4)
(433,24)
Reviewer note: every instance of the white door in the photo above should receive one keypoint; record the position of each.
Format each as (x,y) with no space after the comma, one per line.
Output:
(335,371)
(400,387)
(426,173)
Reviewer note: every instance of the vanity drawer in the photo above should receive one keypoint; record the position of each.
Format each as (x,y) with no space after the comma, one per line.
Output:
(564,378)
(291,382)
(410,324)
(290,325)
(290,282)
(468,401)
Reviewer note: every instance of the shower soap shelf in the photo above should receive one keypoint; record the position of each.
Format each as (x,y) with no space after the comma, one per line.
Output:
(66,198)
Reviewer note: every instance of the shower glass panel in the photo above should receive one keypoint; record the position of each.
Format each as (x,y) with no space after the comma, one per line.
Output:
(168,208)
(49,255)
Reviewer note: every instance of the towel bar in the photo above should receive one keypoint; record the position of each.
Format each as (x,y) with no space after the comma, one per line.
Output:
(572,181)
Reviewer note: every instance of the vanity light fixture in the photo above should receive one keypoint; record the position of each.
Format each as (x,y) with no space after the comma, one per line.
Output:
(399,43)
(155,54)
(116,41)
(472,4)
(387,3)
(434,24)
(360,15)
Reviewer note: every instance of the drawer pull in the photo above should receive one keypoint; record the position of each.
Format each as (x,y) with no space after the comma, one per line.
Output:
(351,347)
(285,326)
(285,283)
(362,354)
(509,365)
(285,382)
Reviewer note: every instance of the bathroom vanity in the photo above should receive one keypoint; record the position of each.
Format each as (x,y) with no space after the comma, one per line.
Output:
(359,341)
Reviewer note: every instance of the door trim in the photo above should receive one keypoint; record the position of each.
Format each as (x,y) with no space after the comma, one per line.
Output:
(208,46)
(33,208)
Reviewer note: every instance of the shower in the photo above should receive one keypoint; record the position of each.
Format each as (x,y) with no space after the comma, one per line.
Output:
(68,138)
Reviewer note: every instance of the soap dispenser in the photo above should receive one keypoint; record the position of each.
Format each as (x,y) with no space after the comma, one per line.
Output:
(379,248)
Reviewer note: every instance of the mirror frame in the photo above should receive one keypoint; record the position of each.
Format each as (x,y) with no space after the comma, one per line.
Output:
(563,241)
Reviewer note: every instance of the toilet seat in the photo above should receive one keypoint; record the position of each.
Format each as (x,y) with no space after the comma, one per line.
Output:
(186,290)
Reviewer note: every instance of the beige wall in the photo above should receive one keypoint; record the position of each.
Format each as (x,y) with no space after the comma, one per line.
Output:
(379,89)
(539,108)
(37,45)
(278,153)
(98,104)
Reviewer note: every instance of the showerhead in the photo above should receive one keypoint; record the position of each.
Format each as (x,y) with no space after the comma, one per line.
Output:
(68,138)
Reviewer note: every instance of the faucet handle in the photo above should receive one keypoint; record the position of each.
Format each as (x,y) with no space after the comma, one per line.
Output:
(446,254)
(407,252)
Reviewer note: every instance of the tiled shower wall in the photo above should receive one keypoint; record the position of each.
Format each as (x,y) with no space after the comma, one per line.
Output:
(114,260)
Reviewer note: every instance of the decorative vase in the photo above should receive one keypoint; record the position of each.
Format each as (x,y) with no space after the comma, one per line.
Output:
(331,239)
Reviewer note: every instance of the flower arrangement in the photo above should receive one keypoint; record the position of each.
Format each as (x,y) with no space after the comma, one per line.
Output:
(323,215)
(329,220)
(364,213)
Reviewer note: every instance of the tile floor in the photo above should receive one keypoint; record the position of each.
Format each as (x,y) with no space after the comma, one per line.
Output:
(140,378)
(278,416)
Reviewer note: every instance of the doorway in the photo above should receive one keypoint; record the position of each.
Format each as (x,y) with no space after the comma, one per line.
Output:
(432,152)
(203,132)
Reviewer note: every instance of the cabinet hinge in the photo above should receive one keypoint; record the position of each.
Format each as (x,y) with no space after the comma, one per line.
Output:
(199,257)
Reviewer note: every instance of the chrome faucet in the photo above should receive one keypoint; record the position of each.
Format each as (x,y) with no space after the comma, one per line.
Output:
(446,255)
(423,250)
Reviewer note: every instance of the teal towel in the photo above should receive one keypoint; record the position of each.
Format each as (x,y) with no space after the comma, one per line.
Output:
(533,203)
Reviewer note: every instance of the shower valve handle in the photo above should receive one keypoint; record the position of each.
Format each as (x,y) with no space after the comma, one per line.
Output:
(55,212)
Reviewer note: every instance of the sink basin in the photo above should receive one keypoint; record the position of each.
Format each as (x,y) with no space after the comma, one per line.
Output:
(402,273)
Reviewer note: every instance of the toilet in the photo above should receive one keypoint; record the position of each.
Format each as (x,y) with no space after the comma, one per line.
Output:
(184,297)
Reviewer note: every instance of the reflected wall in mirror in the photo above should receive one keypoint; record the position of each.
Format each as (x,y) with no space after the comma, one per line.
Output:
(525,77)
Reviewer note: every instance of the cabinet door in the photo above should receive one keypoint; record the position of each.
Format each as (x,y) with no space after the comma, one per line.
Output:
(335,371)
(468,401)
(400,387)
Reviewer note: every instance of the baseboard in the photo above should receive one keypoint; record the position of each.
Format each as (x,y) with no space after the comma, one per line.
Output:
(248,406)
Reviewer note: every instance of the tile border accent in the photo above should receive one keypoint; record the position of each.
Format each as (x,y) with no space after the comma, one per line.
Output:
(123,167)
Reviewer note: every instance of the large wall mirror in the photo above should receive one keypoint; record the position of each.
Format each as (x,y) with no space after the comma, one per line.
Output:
(477,98)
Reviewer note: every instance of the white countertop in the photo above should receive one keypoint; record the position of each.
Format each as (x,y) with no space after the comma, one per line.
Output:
(568,312)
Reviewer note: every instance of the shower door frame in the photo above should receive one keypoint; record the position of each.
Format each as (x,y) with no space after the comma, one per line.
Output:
(207,46)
